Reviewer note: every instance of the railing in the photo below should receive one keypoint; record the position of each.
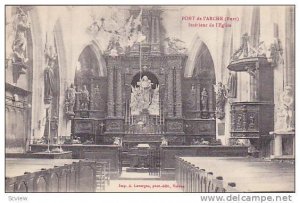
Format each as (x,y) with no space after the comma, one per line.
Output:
(194,179)
(76,177)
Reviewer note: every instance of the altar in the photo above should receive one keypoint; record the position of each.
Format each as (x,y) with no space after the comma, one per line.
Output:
(141,99)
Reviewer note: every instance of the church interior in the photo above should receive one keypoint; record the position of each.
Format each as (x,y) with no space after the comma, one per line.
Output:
(149,98)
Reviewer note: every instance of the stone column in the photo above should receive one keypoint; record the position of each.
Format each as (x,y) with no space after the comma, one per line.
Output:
(290,46)
(152,30)
(278,145)
(119,105)
(170,92)
(110,93)
(157,30)
(178,92)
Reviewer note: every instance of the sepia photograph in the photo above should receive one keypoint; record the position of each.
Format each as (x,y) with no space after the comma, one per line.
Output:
(149,98)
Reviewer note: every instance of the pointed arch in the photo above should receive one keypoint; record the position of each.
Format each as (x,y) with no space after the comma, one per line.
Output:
(95,46)
(198,47)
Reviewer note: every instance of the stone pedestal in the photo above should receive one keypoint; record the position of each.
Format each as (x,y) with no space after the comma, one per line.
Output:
(284,145)
(174,131)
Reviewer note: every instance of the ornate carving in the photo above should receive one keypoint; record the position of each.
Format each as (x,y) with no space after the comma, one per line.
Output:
(175,126)
(83,126)
(70,95)
(276,53)
(84,98)
(174,46)
(252,121)
(246,50)
(220,101)
(239,122)
(144,97)
(19,46)
(114,48)
(113,126)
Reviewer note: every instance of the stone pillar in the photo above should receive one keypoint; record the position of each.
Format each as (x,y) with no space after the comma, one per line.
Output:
(178,92)
(157,30)
(119,104)
(277,145)
(110,92)
(153,30)
(170,92)
(290,46)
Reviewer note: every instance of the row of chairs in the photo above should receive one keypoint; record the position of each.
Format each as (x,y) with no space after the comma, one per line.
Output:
(194,179)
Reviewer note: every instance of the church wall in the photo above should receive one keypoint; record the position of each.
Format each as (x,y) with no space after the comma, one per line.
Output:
(18,85)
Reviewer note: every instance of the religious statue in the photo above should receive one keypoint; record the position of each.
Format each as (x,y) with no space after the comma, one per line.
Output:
(117,141)
(204,99)
(20,43)
(154,106)
(164,141)
(175,46)
(145,89)
(84,98)
(220,101)
(96,98)
(276,53)
(232,85)
(49,82)
(287,108)
(70,100)
(19,48)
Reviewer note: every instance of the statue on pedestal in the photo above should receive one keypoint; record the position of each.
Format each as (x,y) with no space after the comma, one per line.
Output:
(49,82)
(19,45)
(84,98)
(96,99)
(220,101)
(204,99)
(287,109)
(70,101)
(142,96)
